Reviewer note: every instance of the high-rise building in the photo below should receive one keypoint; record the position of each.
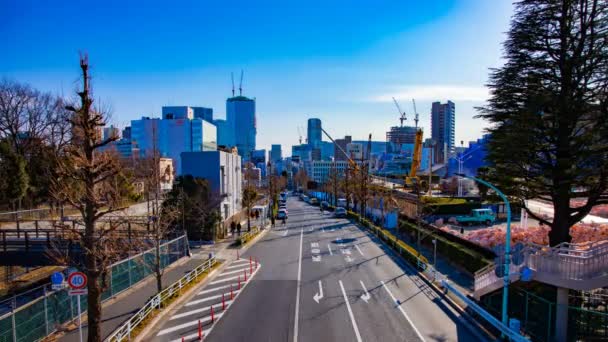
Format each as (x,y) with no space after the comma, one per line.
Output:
(355,151)
(178,132)
(240,115)
(275,153)
(111,132)
(225,133)
(302,152)
(399,135)
(340,146)
(258,157)
(314,133)
(203,113)
(443,119)
(126,133)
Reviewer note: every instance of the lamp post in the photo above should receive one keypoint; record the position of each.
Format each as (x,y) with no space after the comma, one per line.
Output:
(505,289)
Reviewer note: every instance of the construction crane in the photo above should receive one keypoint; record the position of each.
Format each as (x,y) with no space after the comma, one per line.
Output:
(232,76)
(300,135)
(352,163)
(401,112)
(415,113)
(412,180)
(241,84)
(369,152)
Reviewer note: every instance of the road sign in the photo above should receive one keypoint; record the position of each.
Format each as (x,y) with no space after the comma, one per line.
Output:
(57,281)
(77,280)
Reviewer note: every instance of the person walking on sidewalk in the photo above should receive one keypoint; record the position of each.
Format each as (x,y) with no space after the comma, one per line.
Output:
(238,228)
(232,227)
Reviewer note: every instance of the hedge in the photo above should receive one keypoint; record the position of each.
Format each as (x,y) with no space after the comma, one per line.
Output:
(406,251)
(468,259)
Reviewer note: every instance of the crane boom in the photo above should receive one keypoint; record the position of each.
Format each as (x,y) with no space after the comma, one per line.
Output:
(232,76)
(401,112)
(415,113)
(241,84)
(352,162)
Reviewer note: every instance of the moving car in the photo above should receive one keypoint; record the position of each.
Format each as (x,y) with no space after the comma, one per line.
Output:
(314,201)
(341,202)
(340,212)
(477,216)
(324,205)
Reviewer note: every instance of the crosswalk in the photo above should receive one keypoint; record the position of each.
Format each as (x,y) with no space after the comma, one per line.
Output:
(196,318)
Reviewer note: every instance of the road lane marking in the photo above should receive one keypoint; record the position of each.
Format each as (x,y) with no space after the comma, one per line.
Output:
(198,301)
(359,249)
(217,307)
(193,337)
(314,244)
(228,279)
(330,251)
(295,322)
(345,251)
(233,272)
(348,258)
(285,232)
(350,313)
(402,311)
(213,289)
(316,258)
(318,295)
(365,296)
(188,324)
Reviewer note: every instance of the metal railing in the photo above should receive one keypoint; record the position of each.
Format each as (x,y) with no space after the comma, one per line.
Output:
(39,315)
(565,263)
(124,331)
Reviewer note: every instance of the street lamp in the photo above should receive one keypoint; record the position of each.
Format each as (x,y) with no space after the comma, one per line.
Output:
(505,288)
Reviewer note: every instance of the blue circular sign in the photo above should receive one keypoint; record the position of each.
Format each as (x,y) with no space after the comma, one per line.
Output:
(57,278)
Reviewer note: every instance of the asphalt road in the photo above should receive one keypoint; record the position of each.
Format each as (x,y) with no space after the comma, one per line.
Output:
(321,279)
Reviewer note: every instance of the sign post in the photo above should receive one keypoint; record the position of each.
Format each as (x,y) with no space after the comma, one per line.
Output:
(78,282)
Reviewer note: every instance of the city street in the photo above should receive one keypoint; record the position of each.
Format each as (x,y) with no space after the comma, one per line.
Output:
(322,279)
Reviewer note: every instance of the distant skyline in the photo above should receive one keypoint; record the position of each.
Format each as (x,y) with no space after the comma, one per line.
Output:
(338,61)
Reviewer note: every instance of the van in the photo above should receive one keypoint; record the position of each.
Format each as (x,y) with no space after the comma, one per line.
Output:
(341,202)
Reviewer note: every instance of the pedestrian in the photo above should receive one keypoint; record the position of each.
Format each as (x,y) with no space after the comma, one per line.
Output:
(238,228)
(257,215)
(232,227)
(272,221)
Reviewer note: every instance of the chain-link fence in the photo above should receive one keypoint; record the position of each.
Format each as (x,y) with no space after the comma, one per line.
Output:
(537,316)
(42,316)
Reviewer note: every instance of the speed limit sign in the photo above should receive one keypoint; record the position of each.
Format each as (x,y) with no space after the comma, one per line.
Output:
(78,283)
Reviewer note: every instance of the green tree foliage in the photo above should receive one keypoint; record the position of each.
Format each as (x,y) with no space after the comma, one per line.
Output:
(549,109)
(200,206)
(14,175)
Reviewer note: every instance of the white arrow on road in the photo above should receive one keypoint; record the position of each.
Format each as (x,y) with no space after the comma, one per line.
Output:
(316,258)
(330,251)
(365,296)
(318,295)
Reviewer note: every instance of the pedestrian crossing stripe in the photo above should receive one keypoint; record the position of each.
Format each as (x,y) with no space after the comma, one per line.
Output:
(216,307)
(188,324)
(206,299)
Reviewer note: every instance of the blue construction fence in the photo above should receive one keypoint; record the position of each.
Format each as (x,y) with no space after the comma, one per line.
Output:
(44,315)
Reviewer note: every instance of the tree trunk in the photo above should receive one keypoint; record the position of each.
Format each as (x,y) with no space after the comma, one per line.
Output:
(94,307)
(560,229)
(248,220)
(157,268)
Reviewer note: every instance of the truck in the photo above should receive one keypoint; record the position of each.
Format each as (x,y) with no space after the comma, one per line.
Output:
(477,216)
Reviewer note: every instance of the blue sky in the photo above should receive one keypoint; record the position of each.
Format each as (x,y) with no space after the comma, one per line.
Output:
(340,61)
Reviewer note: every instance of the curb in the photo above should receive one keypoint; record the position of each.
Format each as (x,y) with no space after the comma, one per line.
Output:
(468,319)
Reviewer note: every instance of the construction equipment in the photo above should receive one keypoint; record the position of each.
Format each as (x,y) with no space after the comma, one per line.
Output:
(352,163)
(415,113)
(241,84)
(401,112)
(412,180)
(232,76)
(300,135)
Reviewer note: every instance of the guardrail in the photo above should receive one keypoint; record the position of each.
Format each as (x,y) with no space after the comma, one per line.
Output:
(124,331)
(245,237)
(508,332)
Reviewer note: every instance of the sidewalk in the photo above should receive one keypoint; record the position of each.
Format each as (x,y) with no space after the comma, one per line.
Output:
(119,310)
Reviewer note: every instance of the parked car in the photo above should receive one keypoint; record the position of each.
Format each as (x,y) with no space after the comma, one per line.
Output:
(341,202)
(477,216)
(340,212)
(324,205)
(282,214)
(314,201)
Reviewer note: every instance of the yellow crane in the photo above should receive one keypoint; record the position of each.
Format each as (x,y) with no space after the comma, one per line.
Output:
(412,179)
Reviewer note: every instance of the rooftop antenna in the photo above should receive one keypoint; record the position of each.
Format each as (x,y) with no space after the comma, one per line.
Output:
(241,84)
(232,76)
(401,113)
(415,112)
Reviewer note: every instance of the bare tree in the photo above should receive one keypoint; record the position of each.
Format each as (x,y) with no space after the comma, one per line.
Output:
(94,184)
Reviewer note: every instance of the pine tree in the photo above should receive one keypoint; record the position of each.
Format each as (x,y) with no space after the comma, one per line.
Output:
(549,109)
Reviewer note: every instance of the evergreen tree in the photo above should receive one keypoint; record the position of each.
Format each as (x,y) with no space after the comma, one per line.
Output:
(549,109)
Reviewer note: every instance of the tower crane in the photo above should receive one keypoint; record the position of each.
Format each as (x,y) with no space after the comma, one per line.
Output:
(241,84)
(415,113)
(232,77)
(300,135)
(401,112)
